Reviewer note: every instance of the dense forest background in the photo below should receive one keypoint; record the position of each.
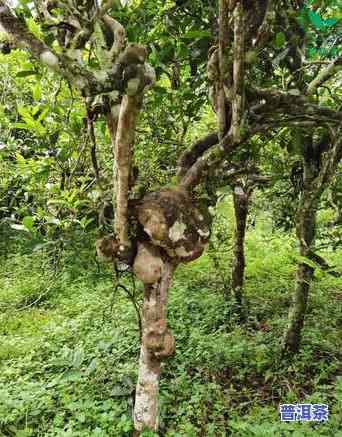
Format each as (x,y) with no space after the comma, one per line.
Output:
(240,126)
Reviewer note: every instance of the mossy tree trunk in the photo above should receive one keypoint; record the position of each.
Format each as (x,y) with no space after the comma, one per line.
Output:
(319,166)
(336,201)
(305,229)
(240,197)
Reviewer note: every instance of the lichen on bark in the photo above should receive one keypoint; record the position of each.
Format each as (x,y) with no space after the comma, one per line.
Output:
(174,222)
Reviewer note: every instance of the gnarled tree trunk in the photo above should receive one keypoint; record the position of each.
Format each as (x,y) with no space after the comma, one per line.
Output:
(177,232)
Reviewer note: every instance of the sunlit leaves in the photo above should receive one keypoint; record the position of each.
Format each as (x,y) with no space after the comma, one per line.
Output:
(36,92)
(34,27)
(26,225)
(193,34)
(28,222)
(29,122)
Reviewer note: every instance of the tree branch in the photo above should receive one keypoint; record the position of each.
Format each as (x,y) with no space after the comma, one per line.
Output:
(119,34)
(189,157)
(324,75)
(269,102)
(224,79)
(214,157)
(92,138)
(238,71)
(25,39)
(88,83)
(123,156)
(324,265)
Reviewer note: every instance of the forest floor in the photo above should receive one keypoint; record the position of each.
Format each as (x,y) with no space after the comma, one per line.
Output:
(69,346)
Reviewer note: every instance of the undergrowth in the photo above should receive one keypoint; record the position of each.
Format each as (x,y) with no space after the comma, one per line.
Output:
(69,347)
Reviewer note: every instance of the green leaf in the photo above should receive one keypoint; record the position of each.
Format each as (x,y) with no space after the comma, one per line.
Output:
(23,111)
(43,114)
(31,123)
(282,55)
(307,261)
(53,221)
(312,52)
(330,22)
(78,358)
(315,19)
(26,73)
(20,159)
(28,222)
(33,27)
(92,366)
(160,89)
(84,222)
(193,34)
(35,110)
(19,227)
(36,91)
(280,39)
(25,432)
(21,126)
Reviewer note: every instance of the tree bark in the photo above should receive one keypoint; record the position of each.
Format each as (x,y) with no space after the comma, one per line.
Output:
(316,177)
(123,159)
(189,157)
(112,125)
(306,219)
(238,99)
(305,230)
(157,343)
(224,69)
(240,198)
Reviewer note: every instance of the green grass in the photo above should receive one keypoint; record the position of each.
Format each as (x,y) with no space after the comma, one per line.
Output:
(68,361)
